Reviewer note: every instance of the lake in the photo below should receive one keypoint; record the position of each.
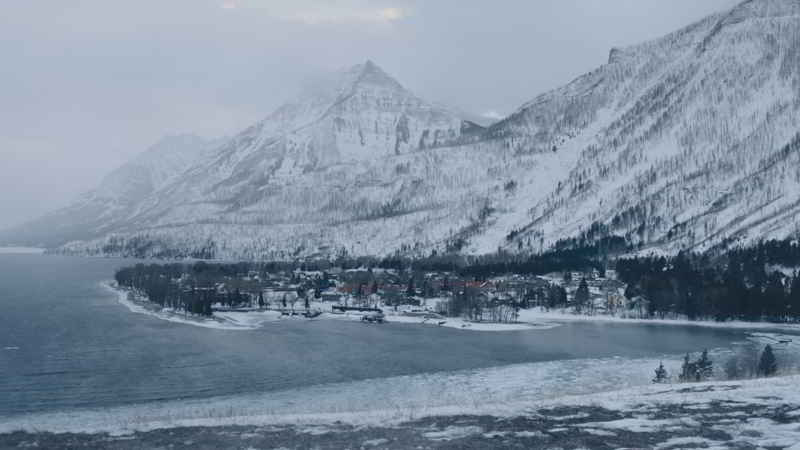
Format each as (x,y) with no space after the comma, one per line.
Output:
(65,343)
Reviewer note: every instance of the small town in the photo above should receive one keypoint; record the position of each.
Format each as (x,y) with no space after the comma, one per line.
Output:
(376,294)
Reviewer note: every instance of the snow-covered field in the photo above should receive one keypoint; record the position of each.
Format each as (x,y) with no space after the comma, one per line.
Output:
(506,390)
(462,324)
(718,415)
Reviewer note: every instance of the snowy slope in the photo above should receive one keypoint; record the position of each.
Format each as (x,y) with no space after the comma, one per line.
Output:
(697,140)
(358,151)
(686,141)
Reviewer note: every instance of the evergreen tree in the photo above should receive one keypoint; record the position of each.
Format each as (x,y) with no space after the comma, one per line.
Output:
(768,365)
(582,295)
(705,368)
(688,370)
(661,374)
(794,298)
(775,298)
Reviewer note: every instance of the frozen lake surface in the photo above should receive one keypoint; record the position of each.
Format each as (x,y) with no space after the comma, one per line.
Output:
(66,343)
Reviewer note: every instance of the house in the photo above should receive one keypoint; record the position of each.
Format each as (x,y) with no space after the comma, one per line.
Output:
(331,296)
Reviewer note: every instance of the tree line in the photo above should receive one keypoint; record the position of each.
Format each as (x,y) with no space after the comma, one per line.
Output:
(749,284)
(191,288)
(702,369)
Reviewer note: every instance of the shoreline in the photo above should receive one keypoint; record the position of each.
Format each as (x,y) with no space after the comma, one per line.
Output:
(500,391)
(253,320)
(714,410)
(563,316)
(534,319)
(13,250)
(504,393)
(150,309)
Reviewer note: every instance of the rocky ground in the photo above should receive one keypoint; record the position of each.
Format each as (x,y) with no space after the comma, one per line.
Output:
(672,417)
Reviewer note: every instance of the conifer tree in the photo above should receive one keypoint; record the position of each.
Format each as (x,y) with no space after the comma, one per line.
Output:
(688,371)
(705,368)
(582,295)
(410,290)
(661,374)
(768,365)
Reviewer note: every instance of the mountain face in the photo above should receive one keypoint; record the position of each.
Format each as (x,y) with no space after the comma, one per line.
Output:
(687,141)
(684,142)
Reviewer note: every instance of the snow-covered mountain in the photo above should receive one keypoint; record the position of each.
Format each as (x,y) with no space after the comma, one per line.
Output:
(687,141)
(294,182)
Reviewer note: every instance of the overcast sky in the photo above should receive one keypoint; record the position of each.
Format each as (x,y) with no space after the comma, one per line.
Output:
(87,84)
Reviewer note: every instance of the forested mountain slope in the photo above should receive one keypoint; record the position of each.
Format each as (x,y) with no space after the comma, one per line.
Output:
(699,142)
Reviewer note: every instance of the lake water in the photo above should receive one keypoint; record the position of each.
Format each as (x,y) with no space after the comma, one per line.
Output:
(65,342)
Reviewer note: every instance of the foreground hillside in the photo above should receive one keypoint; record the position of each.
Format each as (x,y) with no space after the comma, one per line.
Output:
(735,415)
(687,141)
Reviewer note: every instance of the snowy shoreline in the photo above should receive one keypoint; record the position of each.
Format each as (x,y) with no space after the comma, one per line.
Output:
(642,406)
(621,384)
(21,251)
(152,310)
(529,319)
(252,320)
(502,391)
(538,314)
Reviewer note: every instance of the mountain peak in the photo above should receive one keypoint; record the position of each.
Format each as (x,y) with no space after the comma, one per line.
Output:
(749,11)
(769,7)
(370,74)
(761,9)
(370,65)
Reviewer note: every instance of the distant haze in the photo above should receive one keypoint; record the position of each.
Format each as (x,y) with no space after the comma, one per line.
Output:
(88,84)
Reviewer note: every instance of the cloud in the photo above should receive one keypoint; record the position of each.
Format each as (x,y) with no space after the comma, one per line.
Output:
(334,16)
(317,12)
(492,115)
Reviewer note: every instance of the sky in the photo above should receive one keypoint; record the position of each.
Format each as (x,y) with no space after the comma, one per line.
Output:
(86,85)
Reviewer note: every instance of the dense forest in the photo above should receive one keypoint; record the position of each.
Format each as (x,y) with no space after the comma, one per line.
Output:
(752,284)
(195,290)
